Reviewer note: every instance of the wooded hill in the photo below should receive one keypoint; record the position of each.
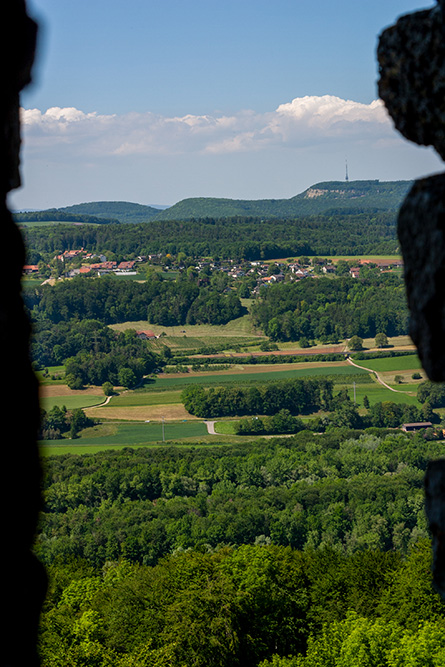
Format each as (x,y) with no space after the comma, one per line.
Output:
(328,198)
(323,198)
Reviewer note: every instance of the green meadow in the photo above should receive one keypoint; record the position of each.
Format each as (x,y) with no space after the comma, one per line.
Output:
(127,435)
(71,402)
(404,363)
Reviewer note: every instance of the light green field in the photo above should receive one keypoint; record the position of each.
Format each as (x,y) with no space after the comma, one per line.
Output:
(226,428)
(408,362)
(129,435)
(356,258)
(377,393)
(71,402)
(46,223)
(136,398)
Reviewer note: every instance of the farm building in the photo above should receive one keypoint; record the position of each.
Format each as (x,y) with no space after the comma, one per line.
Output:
(146,335)
(416,426)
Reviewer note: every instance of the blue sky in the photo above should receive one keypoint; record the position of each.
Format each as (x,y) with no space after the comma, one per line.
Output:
(156,101)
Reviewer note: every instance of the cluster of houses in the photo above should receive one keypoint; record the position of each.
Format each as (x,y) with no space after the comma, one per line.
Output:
(86,265)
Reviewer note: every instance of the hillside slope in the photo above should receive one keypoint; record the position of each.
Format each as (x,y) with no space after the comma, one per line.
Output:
(330,198)
(321,198)
(120,210)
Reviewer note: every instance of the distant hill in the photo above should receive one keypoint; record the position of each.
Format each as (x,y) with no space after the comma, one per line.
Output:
(322,198)
(120,210)
(330,198)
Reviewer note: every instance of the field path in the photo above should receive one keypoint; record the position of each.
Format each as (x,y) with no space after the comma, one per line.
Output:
(379,379)
(210,427)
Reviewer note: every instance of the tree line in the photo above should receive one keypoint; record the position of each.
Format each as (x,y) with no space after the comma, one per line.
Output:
(351,489)
(55,215)
(298,396)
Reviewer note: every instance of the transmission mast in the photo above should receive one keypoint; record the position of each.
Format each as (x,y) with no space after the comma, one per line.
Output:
(347,175)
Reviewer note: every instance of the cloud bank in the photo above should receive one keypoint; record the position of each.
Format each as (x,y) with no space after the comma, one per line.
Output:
(302,122)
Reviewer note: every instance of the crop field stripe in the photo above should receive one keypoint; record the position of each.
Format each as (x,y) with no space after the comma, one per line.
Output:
(248,378)
(145,399)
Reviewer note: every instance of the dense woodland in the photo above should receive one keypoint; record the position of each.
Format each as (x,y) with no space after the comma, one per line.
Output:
(230,238)
(111,301)
(298,396)
(310,546)
(331,310)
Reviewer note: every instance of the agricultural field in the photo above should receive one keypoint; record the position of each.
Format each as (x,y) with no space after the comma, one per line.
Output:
(402,368)
(119,435)
(192,337)
(154,413)
(60,394)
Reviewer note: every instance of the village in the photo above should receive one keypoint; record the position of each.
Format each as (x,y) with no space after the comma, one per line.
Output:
(72,263)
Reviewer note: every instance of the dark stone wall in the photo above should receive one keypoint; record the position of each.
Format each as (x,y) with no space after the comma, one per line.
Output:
(23,578)
(411,56)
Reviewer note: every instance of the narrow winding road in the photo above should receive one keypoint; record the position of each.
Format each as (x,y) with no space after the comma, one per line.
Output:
(379,379)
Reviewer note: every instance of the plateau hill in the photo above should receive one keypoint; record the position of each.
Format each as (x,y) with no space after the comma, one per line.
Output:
(320,199)
(329,198)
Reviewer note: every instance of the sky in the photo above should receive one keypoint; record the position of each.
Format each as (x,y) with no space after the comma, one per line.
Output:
(154,101)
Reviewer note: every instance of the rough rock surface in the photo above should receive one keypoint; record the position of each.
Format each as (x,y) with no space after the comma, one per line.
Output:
(23,578)
(421,230)
(411,57)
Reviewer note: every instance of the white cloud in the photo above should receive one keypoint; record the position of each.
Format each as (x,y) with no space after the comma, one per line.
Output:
(300,122)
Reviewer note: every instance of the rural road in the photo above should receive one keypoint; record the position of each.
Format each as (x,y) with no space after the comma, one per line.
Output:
(211,428)
(379,379)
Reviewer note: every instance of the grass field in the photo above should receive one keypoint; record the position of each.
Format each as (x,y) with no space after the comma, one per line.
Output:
(129,435)
(70,402)
(408,362)
(132,398)
(226,428)
(376,393)
(191,337)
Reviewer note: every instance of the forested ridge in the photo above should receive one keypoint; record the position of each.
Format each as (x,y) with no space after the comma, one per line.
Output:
(238,237)
(322,198)
(309,551)
(331,197)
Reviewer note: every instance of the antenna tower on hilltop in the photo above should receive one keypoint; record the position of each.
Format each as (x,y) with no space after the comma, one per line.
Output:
(346,176)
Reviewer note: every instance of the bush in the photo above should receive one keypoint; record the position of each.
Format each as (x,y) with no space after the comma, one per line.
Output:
(108,389)
(355,343)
